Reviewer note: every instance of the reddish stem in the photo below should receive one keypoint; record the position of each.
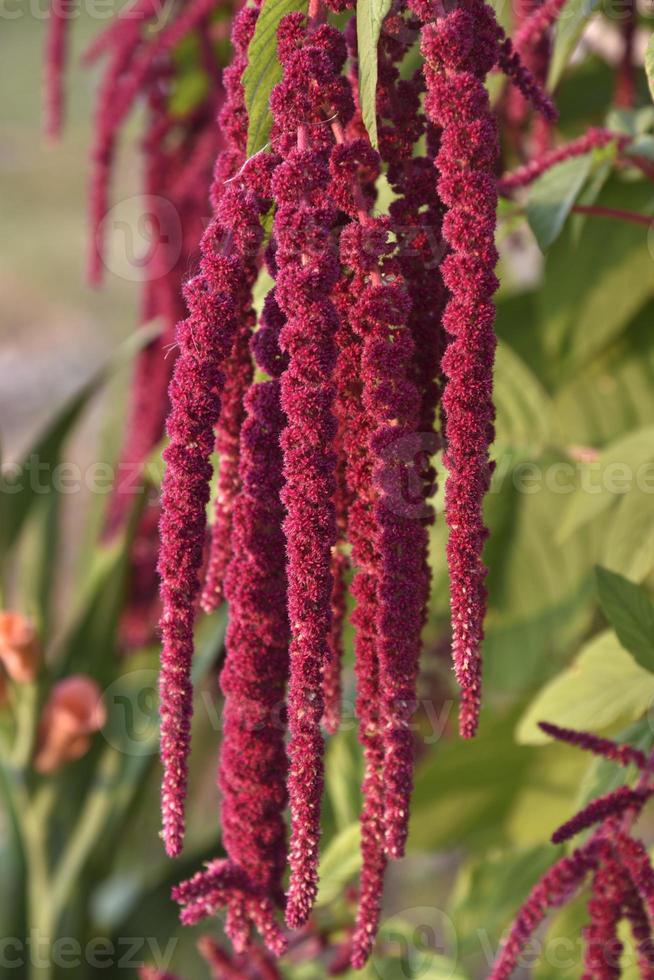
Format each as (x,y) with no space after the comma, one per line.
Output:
(600,211)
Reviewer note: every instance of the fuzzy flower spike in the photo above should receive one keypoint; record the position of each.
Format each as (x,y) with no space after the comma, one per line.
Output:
(312,90)
(460,49)
(253,758)
(215,297)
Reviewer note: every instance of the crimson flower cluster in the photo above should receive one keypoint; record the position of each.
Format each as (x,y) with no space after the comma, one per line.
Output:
(616,863)
(373,349)
(316,461)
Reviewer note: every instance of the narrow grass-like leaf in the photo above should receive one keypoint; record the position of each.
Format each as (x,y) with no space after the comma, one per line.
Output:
(370,17)
(263,70)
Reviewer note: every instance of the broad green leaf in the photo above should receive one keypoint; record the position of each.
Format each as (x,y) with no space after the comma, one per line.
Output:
(553,195)
(263,70)
(523,406)
(649,65)
(339,863)
(596,287)
(630,612)
(603,685)
(569,27)
(490,888)
(642,146)
(613,394)
(477,789)
(343,778)
(633,122)
(630,543)
(539,592)
(27,484)
(370,17)
(604,480)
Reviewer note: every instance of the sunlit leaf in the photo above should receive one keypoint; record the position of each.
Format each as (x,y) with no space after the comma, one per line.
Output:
(630,542)
(569,27)
(263,70)
(339,863)
(603,685)
(370,17)
(649,65)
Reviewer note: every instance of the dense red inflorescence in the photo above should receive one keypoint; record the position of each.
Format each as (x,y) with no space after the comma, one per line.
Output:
(253,759)
(460,49)
(617,864)
(312,90)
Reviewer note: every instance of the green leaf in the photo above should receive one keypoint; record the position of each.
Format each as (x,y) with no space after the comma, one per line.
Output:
(603,685)
(24,487)
(553,195)
(630,543)
(649,65)
(522,404)
(630,612)
(599,485)
(478,787)
(489,889)
(633,122)
(263,70)
(570,25)
(596,288)
(370,17)
(343,778)
(340,862)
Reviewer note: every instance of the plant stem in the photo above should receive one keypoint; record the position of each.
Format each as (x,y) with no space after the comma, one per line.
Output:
(92,821)
(600,211)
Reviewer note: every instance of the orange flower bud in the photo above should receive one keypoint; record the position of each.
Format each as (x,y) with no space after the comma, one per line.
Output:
(72,713)
(20,650)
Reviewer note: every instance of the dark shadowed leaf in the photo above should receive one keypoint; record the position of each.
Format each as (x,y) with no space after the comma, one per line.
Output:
(553,195)
(630,612)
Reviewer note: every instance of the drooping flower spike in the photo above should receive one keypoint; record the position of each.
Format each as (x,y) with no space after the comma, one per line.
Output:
(625,755)
(252,759)
(535,26)
(311,91)
(460,49)
(619,867)
(255,964)
(216,298)
(56,45)
(135,57)
(612,804)
(593,139)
